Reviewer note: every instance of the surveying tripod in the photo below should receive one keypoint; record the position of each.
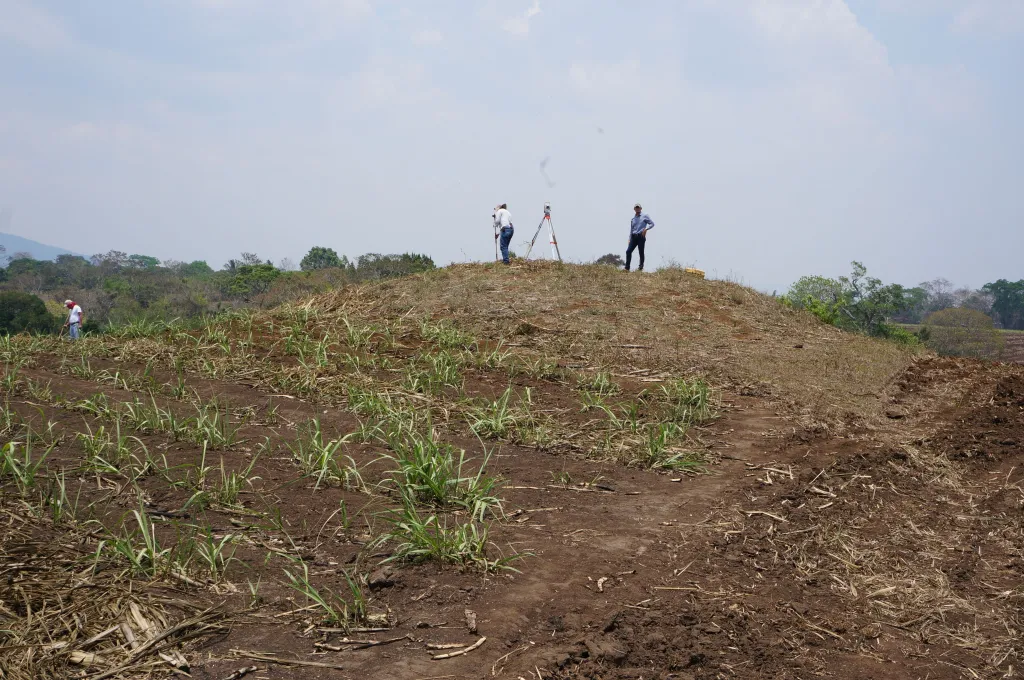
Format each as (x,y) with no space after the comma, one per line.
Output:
(551,231)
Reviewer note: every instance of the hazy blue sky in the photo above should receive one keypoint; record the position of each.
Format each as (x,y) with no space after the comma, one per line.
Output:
(766,138)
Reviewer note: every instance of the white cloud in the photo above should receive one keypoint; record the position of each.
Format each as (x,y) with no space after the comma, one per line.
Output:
(386,85)
(617,80)
(322,8)
(25,24)
(428,36)
(991,16)
(295,23)
(520,26)
(943,93)
(823,24)
(83,131)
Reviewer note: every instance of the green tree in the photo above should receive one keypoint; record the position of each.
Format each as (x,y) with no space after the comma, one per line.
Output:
(112,259)
(817,288)
(1007,302)
(916,307)
(857,302)
(319,257)
(246,258)
(869,303)
(195,270)
(374,266)
(252,280)
(24,312)
(72,270)
(963,332)
(612,259)
(142,262)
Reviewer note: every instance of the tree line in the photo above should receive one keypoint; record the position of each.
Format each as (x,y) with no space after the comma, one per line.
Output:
(1002,300)
(115,287)
(960,321)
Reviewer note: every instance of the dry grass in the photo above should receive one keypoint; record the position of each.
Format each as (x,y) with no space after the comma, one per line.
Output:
(64,609)
(906,567)
(666,321)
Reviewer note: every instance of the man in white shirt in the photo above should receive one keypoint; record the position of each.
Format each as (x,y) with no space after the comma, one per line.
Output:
(503,223)
(75,319)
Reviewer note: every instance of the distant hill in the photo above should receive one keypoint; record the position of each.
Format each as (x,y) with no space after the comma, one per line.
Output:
(40,251)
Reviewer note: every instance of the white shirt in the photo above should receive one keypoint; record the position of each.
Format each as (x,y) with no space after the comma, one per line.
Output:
(502,218)
(76,314)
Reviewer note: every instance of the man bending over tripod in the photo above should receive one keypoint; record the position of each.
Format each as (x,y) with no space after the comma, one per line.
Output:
(638,228)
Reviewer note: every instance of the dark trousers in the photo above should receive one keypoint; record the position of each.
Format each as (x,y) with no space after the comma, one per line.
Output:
(636,241)
(506,238)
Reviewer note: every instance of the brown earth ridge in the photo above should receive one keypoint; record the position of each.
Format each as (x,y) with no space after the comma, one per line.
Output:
(837,507)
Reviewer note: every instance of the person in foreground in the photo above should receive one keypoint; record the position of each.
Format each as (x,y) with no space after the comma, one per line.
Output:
(638,228)
(75,319)
(503,223)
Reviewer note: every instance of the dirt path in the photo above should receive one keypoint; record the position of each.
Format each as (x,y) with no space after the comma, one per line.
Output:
(895,550)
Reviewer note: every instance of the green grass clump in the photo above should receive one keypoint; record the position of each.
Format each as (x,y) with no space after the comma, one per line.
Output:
(336,610)
(430,537)
(690,402)
(429,472)
(445,336)
(432,373)
(500,419)
(17,464)
(323,460)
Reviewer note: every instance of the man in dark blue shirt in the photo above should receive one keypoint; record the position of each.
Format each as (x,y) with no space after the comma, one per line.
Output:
(638,228)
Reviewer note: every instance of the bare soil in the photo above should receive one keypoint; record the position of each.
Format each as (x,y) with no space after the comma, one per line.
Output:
(860,513)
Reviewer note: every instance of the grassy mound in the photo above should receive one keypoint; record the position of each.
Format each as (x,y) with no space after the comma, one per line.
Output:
(665,322)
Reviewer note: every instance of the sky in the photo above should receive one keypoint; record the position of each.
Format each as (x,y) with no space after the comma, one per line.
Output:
(767,139)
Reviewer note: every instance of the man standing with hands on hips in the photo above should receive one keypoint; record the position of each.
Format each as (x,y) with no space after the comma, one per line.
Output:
(638,228)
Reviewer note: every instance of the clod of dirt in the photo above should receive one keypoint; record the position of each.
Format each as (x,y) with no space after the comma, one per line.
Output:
(556,657)
(895,414)
(557,623)
(871,631)
(606,650)
(382,578)
(697,660)
(655,641)
(759,389)
(688,620)
(612,623)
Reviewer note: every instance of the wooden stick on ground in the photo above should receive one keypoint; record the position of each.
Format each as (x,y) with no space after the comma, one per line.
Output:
(242,672)
(751,513)
(460,652)
(360,644)
(284,662)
